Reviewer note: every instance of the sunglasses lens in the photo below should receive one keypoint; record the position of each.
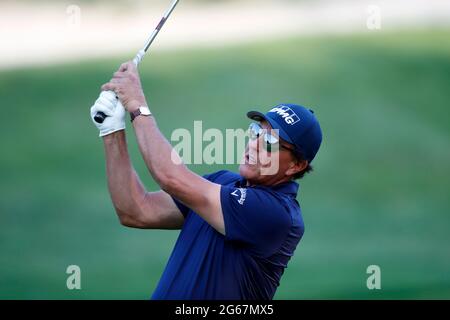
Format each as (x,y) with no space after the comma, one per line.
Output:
(271,139)
(254,131)
(250,131)
(271,143)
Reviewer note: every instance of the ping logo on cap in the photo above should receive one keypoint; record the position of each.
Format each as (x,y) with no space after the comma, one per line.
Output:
(287,114)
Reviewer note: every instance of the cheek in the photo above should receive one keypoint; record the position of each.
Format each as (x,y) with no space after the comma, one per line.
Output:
(267,158)
(278,162)
(285,161)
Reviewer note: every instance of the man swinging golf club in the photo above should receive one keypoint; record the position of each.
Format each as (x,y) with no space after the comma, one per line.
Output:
(238,231)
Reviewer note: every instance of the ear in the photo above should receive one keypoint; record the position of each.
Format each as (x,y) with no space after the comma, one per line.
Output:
(297,166)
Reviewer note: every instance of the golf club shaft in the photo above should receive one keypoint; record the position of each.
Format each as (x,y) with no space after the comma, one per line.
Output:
(100,116)
(155,32)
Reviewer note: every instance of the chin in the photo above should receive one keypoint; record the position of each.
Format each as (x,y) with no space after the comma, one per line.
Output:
(248,172)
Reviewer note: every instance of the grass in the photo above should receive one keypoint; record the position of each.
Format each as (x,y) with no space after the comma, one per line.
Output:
(379,194)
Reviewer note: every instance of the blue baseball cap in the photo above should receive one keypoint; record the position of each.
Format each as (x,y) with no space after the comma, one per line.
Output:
(297,125)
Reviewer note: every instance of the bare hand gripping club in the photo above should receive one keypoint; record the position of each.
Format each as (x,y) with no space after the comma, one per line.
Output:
(100,116)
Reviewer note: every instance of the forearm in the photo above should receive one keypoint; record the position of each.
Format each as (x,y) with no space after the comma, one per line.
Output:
(162,161)
(126,190)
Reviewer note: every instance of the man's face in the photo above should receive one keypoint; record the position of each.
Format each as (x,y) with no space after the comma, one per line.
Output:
(262,164)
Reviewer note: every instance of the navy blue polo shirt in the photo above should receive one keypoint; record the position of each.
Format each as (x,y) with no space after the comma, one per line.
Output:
(263,226)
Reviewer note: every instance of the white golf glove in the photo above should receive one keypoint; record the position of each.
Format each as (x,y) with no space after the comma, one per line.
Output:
(113,109)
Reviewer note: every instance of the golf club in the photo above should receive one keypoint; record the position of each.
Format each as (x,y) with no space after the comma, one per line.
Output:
(100,116)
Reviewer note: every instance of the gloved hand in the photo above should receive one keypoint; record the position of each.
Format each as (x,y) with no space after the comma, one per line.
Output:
(113,109)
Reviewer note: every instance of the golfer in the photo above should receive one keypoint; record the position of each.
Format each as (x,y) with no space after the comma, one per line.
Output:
(238,231)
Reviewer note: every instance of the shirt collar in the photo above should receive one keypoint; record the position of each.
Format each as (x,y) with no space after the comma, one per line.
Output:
(288,188)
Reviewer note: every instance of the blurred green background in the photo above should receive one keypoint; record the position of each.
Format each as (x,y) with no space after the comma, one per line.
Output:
(379,193)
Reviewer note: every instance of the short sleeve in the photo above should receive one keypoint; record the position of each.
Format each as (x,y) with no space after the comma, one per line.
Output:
(183,209)
(255,217)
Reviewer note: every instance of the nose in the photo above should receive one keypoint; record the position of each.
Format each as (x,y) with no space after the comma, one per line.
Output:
(253,147)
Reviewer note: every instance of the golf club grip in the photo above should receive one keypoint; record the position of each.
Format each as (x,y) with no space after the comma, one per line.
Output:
(100,117)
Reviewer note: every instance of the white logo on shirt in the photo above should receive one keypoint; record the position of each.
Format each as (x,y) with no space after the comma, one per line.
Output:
(241,196)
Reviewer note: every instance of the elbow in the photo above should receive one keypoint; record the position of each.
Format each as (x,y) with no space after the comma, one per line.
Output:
(126,219)
(136,219)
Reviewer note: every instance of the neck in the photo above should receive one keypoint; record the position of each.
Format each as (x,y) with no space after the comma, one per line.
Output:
(272,181)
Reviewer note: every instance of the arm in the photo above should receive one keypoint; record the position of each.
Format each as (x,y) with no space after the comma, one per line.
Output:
(174,177)
(163,162)
(134,206)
